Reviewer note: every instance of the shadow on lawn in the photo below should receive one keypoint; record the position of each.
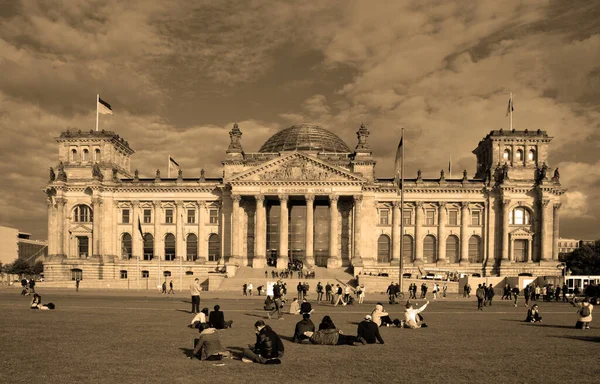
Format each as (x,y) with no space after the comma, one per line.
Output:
(183,310)
(594,339)
(549,325)
(262,316)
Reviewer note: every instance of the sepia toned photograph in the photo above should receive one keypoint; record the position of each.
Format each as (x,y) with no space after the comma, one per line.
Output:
(352,191)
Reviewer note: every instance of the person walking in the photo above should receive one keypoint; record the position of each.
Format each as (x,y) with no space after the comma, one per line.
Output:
(328,292)
(435,290)
(339,296)
(319,292)
(526,295)
(250,288)
(195,290)
(300,289)
(444,290)
(515,292)
(171,287)
(361,294)
(77,280)
(490,294)
(277,302)
(163,289)
(480,294)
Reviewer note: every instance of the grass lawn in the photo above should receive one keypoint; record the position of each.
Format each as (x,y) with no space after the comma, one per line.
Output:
(123,337)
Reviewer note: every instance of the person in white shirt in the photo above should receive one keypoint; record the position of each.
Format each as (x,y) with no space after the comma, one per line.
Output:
(412,317)
(361,294)
(200,321)
(195,290)
(250,289)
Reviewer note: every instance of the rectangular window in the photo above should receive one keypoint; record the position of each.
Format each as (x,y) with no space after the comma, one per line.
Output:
(169,216)
(452,217)
(191,216)
(476,218)
(83,246)
(214,216)
(407,216)
(430,217)
(384,217)
(145,274)
(147,216)
(123,274)
(125,216)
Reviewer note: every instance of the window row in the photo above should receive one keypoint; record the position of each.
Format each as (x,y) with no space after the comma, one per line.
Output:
(77,274)
(170,217)
(430,249)
(507,155)
(170,247)
(453,217)
(84,155)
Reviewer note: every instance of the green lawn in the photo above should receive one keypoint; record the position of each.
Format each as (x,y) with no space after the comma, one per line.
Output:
(114,337)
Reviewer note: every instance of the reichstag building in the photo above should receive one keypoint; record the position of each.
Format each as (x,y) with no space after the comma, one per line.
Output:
(305,195)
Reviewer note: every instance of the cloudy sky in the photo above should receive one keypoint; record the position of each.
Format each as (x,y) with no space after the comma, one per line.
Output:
(179,74)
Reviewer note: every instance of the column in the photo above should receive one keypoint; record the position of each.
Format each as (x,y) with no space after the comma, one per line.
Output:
(282,258)
(180,247)
(334,260)
(60,213)
(310,229)
(235,229)
(418,230)
(543,232)
(96,225)
(157,234)
(396,232)
(505,220)
(529,250)
(555,232)
(260,232)
(512,155)
(443,218)
(51,227)
(136,238)
(357,259)
(464,226)
(202,245)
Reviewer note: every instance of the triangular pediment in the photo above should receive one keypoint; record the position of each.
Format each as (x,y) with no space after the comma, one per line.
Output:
(521,232)
(296,167)
(81,228)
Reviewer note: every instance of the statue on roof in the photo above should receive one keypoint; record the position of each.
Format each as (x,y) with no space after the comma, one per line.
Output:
(136,175)
(52,174)
(556,177)
(235,135)
(362,134)
(202,178)
(115,174)
(96,172)
(62,175)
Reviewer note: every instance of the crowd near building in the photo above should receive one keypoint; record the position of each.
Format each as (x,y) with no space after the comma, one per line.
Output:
(304,195)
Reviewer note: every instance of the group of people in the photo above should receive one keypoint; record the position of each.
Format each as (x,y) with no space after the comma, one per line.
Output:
(247,289)
(28,286)
(163,289)
(485,295)
(289,273)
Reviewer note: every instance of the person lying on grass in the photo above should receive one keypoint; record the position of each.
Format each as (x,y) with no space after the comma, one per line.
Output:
(412,317)
(36,303)
(304,325)
(328,334)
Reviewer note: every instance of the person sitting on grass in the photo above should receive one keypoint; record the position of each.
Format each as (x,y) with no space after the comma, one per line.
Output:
(36,303)
(268,348)
(200,321)
(304,325)
(368,332)
(533,315)
(328,334)
(217,319)
(413,318)
(305,307)
(584,311)
(294,306)
(209,347)
(382,318)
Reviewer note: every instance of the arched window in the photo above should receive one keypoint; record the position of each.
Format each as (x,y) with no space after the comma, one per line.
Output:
(148,246)
(452,249)
(97,155)
(429,249)
(82,214)
(506,155)
(85,155)
(407,248)
(531,155)
(126,244)
(74,156)
(383,249)
(519,155)
(214,247)
(191,247)
(475,250)
(189,273)
(519,216)
(167,273)
(170,247)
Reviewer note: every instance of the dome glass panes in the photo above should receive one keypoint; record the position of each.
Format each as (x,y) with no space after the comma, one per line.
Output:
(304,137)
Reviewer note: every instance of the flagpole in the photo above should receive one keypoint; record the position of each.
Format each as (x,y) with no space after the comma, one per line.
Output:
(511,110)
(97,101)
(450,168)
(402,216)
(169,166)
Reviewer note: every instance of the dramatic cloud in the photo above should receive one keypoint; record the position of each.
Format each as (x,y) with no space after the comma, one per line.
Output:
(179,74)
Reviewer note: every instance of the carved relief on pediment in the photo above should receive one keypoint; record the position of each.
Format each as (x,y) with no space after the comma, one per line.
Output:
(297,169)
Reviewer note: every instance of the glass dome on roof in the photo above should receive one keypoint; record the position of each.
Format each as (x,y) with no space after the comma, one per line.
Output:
(304,137)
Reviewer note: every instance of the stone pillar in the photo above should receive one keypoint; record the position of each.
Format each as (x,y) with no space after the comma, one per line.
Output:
(136,238)
(418,235)
(96,226)
(442,233)
(61,224)
(334,258)
(202,244)
(545,241)
(529,251)
(464,226)
(505,218)
(180,247)
(260,233)
(357,259)
(396,232)
(157,235)
(282,258)
(235,228)
(310,230)
(555,232)
(51,227)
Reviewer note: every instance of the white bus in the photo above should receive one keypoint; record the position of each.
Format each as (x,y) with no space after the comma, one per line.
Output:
(580,281)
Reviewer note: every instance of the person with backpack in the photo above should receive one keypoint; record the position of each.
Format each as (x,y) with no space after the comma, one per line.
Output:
(584,311)
(480,294)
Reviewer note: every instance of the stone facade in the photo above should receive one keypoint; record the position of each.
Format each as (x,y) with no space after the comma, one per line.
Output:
(303,196)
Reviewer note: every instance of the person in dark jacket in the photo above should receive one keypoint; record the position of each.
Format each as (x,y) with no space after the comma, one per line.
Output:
(305,307)
(368,332)
(217,319)
(302,326)
(490,295)
(328,334)
(268,348)
(533,315)
(480,293)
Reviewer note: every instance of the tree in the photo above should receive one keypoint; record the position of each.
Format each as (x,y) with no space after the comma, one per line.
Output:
(585,260)
(20,267)
(38,268)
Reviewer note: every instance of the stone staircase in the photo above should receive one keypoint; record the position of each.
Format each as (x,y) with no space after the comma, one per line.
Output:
(246,275)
